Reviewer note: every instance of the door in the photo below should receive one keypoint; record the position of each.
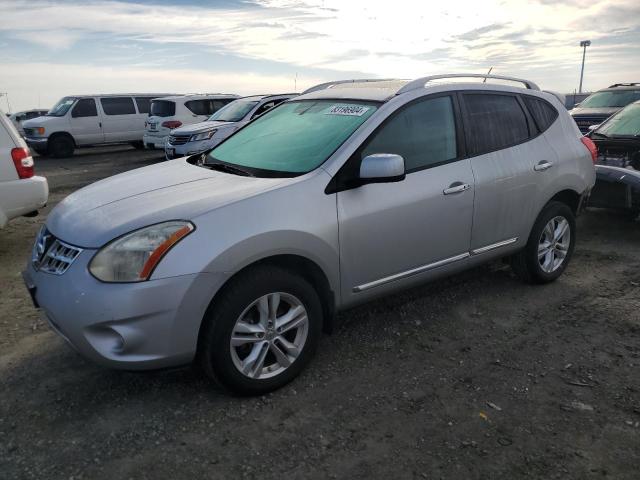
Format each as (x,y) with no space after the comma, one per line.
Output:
(86,125)
(121,122)
(392,232)
(498,133)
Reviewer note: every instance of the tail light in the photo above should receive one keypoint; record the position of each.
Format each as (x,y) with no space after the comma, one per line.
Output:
(23,162)
(593,150)
(172,124)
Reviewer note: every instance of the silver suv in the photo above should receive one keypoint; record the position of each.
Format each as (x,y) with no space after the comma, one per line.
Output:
(240,258)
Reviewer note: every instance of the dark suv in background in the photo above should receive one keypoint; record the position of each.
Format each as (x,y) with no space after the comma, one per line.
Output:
(596,108)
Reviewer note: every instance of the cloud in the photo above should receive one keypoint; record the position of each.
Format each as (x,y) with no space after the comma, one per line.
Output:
(404,39)
(478,32)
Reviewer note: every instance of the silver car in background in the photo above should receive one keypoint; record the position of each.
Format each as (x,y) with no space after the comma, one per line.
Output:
(351,191)
(203,136)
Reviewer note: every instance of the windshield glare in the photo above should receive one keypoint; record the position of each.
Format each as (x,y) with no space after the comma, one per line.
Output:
(233,112)
(618,98)
(293,138)
(62,107)
(625,123)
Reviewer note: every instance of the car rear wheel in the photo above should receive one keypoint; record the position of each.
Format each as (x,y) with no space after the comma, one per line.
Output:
(61,146)
(549,247)
(261,331)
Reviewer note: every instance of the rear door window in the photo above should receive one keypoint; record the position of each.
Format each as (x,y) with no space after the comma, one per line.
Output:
(118,106)
(493,122)
(200,107)
(144,104)
(423,133)
(541,111)
(218,104)
(267,106)
(86,107)
(163,108)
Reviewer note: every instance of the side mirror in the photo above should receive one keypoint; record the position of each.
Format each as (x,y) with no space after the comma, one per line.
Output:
(577,104)
(382,168)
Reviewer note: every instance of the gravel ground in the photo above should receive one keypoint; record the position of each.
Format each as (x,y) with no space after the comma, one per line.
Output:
(475,377)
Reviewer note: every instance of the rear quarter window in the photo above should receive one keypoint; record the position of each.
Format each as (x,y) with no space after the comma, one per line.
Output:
(163,108)
(493,122)
(144,104)
(543,113)
(118,106)
(201,107)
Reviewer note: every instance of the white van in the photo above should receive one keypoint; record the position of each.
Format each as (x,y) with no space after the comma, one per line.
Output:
(173,112)
(83,120)
(21,193)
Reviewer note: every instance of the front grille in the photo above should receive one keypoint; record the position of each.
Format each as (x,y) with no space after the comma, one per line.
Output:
(584,122)
(29,131)
(51,255)
(179,139)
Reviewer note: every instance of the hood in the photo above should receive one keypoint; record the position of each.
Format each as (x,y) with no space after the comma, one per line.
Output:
(594,112)
(199,127)
(41,121)
(174,190)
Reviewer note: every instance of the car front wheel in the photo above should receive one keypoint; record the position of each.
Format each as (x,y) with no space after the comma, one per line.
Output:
(549,247)
(261,331)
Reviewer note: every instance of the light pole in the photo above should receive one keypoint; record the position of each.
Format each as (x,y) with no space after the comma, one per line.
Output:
(584,44)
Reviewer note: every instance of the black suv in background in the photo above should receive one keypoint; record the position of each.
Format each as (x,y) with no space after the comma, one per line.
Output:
(596,108)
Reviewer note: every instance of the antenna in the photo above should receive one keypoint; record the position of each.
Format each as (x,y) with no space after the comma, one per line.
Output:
(488,73)
(295,83)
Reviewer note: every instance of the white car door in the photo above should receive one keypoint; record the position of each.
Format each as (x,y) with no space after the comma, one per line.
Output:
(120,120)
(85,122)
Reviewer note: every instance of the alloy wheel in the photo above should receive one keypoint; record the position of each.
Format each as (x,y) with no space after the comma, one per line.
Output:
(554,243)
(269,335)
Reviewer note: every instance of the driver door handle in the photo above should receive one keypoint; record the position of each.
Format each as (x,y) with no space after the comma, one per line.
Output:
(543,165)
(456,187)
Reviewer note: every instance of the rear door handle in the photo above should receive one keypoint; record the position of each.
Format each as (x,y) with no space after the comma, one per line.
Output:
(456,187)
(543,165)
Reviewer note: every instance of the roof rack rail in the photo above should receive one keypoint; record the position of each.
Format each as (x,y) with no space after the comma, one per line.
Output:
(632,84)
(420,82)
(324,86)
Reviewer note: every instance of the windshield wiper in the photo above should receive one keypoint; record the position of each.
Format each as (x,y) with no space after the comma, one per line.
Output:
(224,167)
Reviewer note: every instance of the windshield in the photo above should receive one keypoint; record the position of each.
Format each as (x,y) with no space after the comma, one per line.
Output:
(293,138)
(62,107)
(625,123)
(233,112)
(612,98)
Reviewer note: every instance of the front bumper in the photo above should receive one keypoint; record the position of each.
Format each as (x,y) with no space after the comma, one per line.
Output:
(133,326)
(190,148)
(617,188)
(154,141)
(39,143)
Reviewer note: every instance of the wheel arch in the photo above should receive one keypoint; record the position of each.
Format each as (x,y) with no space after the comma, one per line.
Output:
(299,264)
(569,197)
(61,133)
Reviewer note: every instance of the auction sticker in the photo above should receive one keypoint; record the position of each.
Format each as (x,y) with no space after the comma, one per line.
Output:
(348,110)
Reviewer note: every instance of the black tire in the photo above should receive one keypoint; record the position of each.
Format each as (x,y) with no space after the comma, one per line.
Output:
(61,146)
(138,145)
(214,348)
(43,152)
(526,264)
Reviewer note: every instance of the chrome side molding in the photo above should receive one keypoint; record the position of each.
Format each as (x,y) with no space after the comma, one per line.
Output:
(430,266)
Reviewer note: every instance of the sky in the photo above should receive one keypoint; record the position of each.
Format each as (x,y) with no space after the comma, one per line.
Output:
(52,49)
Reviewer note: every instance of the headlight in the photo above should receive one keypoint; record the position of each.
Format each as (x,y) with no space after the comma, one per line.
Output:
(202,136)
(133,257)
